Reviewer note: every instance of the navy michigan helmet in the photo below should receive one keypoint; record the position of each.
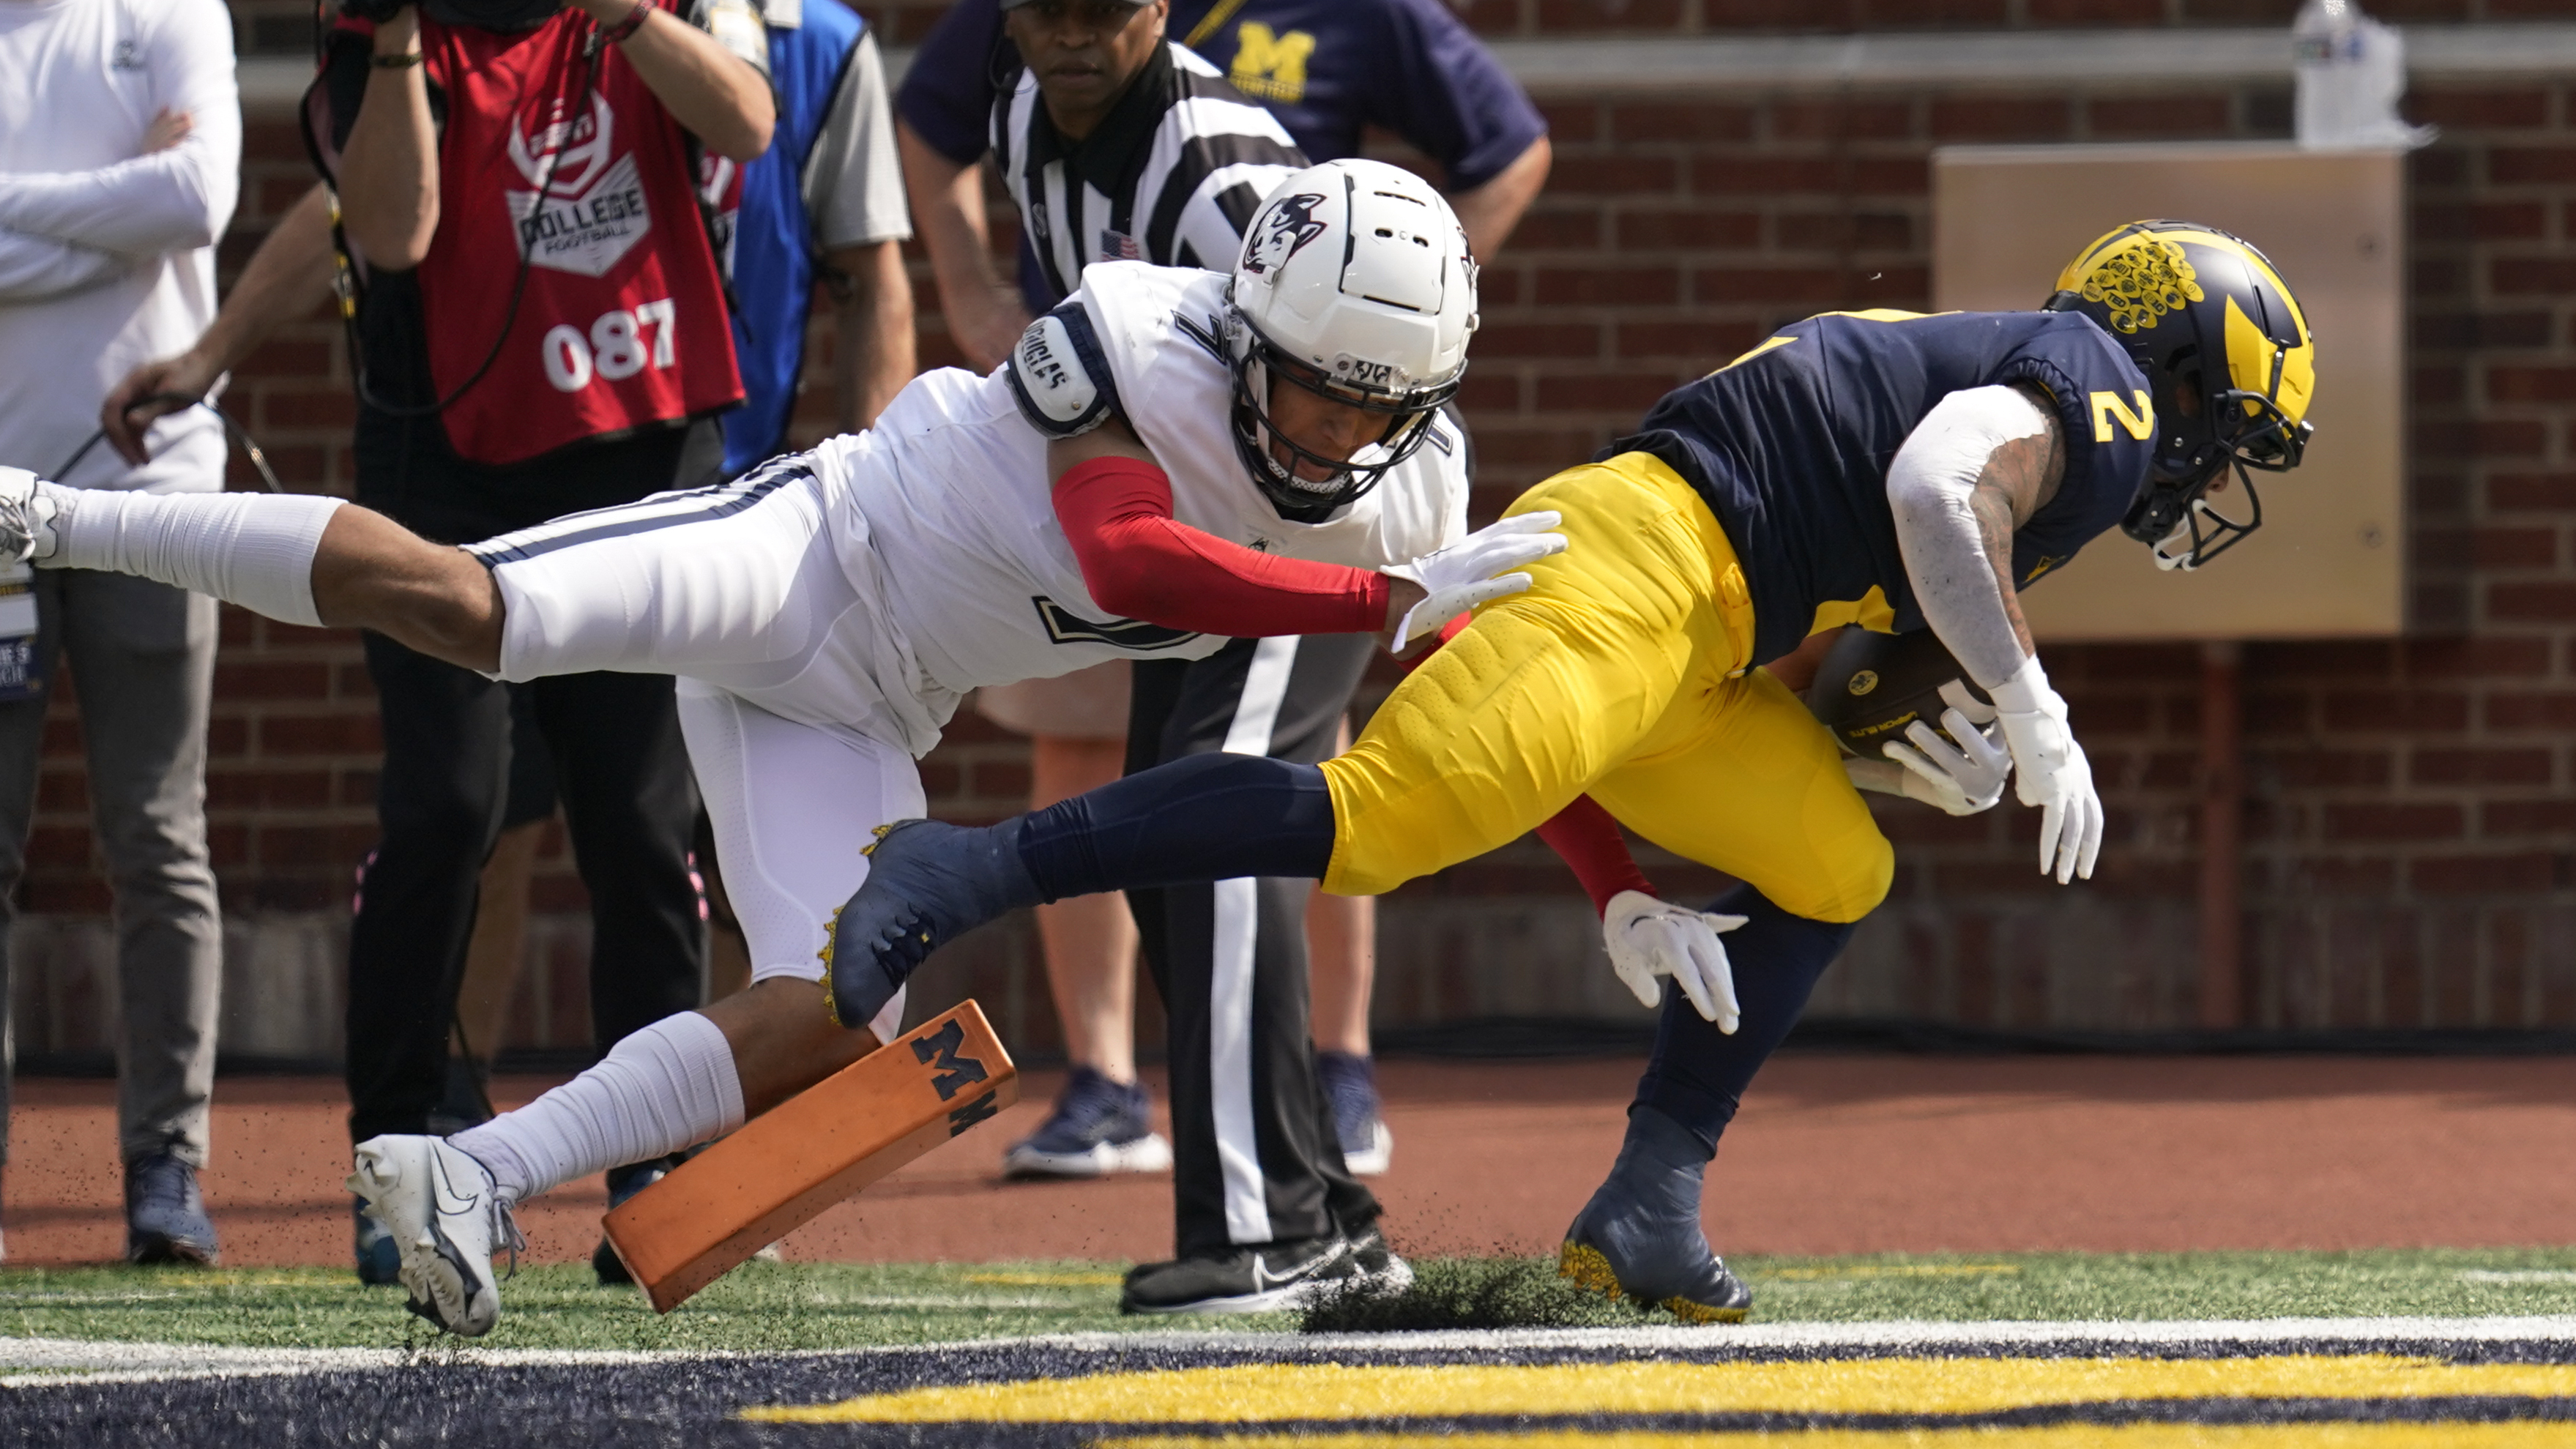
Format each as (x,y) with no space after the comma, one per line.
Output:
(2230,362)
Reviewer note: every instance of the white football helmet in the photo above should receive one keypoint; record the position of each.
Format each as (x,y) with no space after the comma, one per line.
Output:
(1354,283)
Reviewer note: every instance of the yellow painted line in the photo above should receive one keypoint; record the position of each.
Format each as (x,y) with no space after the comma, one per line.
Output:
(1259,1393)
(2057,1436)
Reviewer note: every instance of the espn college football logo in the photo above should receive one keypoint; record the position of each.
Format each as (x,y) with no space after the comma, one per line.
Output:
(588,210)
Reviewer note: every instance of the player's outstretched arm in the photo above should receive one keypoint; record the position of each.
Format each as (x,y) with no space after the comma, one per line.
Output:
(1977,468)
(1115,504)
(1647,939)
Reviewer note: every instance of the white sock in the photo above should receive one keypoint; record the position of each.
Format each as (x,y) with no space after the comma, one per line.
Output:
(671,1085)
(251,549)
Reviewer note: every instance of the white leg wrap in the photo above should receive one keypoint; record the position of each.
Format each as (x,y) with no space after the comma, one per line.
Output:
(251,549)
(671,1085)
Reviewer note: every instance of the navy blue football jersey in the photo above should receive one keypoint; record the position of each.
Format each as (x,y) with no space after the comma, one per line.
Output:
(1790,445)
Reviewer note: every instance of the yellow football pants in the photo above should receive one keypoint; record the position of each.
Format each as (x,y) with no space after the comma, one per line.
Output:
(1621,674)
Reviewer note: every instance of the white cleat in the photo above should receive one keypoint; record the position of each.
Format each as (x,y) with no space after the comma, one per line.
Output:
(28,507)
(439,1206)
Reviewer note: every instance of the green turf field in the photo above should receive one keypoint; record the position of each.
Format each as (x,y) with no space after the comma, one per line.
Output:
(812,1305)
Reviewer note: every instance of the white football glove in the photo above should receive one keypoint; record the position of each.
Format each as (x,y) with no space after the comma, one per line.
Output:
(1649,939)
(2054,773)
(1471,571)
(1964,778)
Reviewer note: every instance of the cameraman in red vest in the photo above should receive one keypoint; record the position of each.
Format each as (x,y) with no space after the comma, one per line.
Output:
(539,326)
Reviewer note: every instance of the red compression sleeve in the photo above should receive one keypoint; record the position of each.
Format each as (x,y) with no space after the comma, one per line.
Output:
(1589,840)
(1141,563)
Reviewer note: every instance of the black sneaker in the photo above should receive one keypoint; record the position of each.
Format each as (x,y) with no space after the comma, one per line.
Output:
(165,1219)
(1098,1127)
(1260,1278)
(1350,1085)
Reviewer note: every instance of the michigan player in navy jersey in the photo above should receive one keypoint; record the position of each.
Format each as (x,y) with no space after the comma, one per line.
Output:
(1882,469)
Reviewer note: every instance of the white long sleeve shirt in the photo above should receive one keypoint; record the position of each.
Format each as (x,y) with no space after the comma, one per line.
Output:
(107,254)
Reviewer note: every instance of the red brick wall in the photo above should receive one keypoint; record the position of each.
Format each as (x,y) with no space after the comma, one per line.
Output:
(283,26)
(2412,805)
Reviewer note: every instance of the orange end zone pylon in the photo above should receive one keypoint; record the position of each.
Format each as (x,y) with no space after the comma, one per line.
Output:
(812,1150)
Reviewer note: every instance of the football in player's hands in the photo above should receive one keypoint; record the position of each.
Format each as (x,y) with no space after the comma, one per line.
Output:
(1873,688)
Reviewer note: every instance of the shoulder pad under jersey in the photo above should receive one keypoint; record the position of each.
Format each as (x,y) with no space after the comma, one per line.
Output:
(1060,375)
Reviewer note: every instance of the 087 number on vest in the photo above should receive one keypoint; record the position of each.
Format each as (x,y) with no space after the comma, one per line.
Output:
(615,349)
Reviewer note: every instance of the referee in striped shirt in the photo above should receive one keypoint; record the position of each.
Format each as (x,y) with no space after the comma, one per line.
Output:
(1117,144)
(1120,145)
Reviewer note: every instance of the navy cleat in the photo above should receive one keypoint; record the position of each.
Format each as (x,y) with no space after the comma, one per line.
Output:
(1350,1088)
(623,1184)
(1640,1238)
(165,1217)
(928,884)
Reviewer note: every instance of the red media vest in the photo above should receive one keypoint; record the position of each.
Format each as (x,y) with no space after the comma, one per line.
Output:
(622,323)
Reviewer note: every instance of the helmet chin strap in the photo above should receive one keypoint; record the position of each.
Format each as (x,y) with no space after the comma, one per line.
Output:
(2185,537)
(2203,533)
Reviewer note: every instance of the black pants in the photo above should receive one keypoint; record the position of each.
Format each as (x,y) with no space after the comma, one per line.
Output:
(619,765)
(1255,1155)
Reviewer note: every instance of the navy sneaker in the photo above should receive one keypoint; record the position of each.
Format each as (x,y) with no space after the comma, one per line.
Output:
(927,885)
(379,1256)
(1257,1278)
(1098,1127)
(1639,1237)
(165,1219)
(1350,1085)
(623,1183)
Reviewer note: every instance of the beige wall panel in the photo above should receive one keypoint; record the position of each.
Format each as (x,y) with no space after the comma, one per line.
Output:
(2330,558)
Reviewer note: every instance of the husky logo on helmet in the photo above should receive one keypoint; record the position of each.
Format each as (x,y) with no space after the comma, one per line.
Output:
(2230,367)
(1283,231)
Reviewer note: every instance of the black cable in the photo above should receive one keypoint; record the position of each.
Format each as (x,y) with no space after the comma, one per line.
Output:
(518,284)
(239,434)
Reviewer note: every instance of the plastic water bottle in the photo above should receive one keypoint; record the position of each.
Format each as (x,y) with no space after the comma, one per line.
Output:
(19,678)
(2352,70)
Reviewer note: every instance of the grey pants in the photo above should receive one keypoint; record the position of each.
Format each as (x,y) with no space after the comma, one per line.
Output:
(145,654)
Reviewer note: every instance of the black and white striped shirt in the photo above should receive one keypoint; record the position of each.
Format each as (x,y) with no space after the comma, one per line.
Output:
(1171,175)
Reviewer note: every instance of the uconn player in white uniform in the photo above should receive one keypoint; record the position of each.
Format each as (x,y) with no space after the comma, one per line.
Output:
(1092,499)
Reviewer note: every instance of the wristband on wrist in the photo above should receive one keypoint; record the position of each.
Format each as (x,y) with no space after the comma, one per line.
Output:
(405,61)
(634,21)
